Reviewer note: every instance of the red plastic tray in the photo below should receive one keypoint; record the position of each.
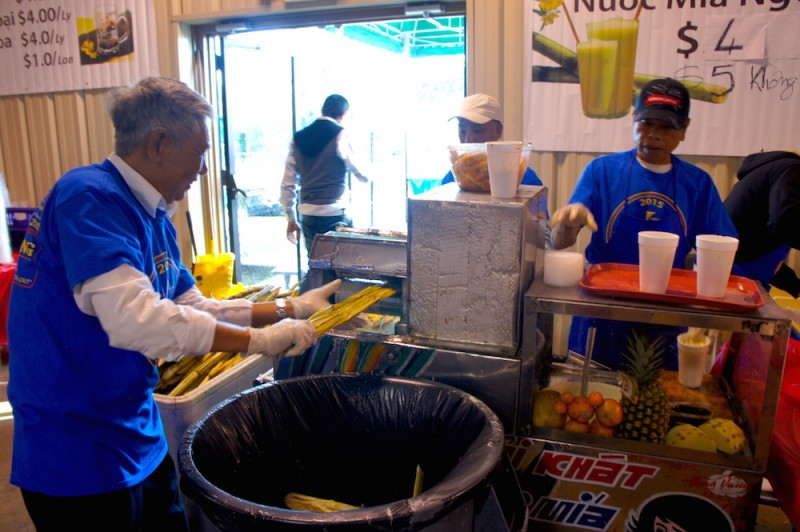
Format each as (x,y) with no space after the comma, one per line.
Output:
(622,280)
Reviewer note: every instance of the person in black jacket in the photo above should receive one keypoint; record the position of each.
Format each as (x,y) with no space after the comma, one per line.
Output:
(319,158)
(765,207)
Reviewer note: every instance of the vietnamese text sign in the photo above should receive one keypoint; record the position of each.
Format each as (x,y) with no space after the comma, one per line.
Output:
(587,59)
(52,46)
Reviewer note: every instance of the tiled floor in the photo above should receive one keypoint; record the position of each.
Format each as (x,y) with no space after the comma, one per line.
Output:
(13,517)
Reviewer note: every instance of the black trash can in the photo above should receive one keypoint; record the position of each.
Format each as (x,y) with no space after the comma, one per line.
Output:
(356,439)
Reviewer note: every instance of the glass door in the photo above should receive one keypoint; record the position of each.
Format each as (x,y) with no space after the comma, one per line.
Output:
(401,99)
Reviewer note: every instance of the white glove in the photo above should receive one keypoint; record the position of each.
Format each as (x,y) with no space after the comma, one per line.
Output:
(314,300)
(574,214)
(294,335)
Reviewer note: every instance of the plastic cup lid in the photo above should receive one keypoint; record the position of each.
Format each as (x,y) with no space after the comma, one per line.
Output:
(658,238)
(717,242)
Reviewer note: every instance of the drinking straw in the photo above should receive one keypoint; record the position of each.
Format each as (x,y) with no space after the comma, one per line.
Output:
(638,10)
(571,25)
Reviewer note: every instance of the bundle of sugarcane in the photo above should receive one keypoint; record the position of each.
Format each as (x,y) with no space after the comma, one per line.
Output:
(343,311)
(180,377)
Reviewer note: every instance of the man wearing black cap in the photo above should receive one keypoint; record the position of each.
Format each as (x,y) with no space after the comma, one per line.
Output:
(643,189)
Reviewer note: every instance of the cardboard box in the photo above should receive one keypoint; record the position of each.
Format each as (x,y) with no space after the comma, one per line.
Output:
(178,413)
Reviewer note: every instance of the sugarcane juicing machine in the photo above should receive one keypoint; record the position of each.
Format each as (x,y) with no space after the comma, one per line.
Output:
(460,272)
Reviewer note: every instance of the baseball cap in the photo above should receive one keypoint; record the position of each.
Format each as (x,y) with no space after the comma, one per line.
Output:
(663,99)
(480,108)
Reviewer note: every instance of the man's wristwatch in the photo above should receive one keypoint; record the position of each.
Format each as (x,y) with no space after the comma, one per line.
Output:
(280,309)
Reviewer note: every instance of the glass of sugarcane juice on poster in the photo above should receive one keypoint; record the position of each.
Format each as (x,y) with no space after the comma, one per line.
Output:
(598,74)
(614,85)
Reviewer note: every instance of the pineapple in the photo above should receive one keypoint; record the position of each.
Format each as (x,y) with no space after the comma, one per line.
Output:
(646,413)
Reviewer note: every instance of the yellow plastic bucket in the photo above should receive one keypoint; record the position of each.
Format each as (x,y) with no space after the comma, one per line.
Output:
(214,274)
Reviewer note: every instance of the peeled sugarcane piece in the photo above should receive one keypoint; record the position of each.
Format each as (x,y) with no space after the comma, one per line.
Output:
(174,372)
(418,479)
(196,376)
(568,60)
(244,293)
(266,293)
(298,501)
(225,364)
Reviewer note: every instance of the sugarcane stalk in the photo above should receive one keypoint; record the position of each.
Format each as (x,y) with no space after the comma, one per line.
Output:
(418,479)
(173,373)
(553,74)
(555,51)
(194,377)
(222,366)
(298,501)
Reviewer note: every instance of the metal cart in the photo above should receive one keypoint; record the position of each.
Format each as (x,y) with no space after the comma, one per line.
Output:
(474,313)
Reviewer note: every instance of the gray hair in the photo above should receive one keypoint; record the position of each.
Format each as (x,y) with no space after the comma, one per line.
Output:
(152,103)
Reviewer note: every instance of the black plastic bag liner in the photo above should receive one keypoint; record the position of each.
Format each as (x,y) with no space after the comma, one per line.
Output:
(356,439)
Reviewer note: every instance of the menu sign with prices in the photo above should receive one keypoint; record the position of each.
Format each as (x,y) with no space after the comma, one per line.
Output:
(588,59)
(53,46)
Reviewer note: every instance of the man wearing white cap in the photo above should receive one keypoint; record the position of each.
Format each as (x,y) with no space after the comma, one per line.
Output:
(481,120)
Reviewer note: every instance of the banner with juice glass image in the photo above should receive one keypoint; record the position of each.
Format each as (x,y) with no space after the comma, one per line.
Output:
(586,61)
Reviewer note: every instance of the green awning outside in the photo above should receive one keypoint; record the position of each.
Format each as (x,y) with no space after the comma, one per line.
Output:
(416,38)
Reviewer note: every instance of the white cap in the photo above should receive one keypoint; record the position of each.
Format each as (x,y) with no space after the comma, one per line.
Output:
(480,108)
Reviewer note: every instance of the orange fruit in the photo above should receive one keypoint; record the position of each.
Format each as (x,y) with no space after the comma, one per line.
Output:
(601,430)
(609,414)
(567,397)
(595,399)
(574,426)
(580,410)
(560,408)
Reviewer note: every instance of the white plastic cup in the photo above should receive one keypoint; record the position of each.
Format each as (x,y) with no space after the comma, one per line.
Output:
(563,269)
(503,158)
(715,255)
(692,360)
(656,254)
